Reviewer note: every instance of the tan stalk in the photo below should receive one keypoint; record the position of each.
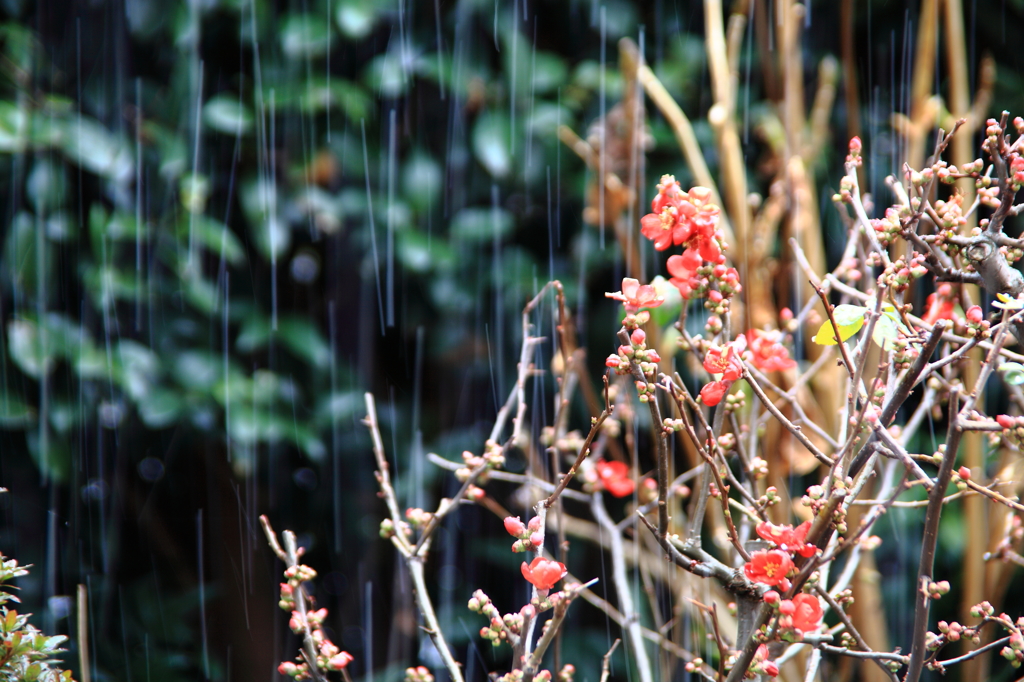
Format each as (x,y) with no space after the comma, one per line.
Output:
(722,117)
(681,128)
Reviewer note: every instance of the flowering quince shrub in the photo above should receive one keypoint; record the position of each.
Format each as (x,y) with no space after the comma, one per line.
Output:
(25,652)
(668,444)
(318,655)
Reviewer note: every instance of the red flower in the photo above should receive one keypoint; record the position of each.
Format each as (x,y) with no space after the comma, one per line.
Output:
(769,567)
(726,361)
(807,616)
(684,271)
(939,305)
(767,352)
(788,538)
(683,218)
(713,393)
(635,296)
(615,478)
(543,573)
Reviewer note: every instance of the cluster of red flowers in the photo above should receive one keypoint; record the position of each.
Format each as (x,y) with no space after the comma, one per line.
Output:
(803,612)
(774,566)
(690,219)
(724,361)
(766,351)
(541,573)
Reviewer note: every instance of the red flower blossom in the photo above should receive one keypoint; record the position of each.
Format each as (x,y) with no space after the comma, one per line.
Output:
(807,616)
(788,538)
(543,573)
(939,305)
(767,352)
(635,296)
(726,361)
(615,477)
(684,219)
(713,393)
(769,567)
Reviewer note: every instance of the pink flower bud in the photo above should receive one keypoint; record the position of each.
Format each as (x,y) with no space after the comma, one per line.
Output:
(1005,421)
(964,473)
(514,526)
(974,314)
(537,539)
(638,337)
(534,524)
(770,668)
(771,597)
(787,607)
(340,661)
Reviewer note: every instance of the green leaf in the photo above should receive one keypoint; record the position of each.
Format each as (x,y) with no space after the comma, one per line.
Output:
(338,406)
(13,128)
(491,143)
(303,339)
(92,147)
(826,336)
(201,294)
(215,237)
(139,367)
(19,257)
(885,332)
(850,319)
(308,442)
(385,76)
(304,35)
(46,186)
(1013,373)
(480,225)
(53,458)
(846,315)
(198,370)
(15,414)
(29,348)
(272,237)
(227,115)
(159,408)
(423,179)
(254,334)
(355,18)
